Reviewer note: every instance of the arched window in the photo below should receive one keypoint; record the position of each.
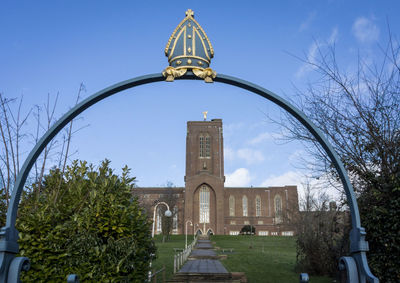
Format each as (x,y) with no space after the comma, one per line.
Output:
(278,208)
(205,146)
(231,206)
(159,220)
(204,201)
(175,220)
(258,206)
(244,204)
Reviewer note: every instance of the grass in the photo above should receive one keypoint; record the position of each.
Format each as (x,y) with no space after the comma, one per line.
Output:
(270,259)
(263,259)
(165,253)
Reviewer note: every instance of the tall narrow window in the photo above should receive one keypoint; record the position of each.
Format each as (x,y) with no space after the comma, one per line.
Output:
(159,220)
(278,208)
(175,220)
(258,206)
(208,146)
(202,145)
(244,204)
(231,206)
(204,201)
(205,146)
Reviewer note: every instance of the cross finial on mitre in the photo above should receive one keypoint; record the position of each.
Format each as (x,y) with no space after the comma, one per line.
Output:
(205,115)
(190,13)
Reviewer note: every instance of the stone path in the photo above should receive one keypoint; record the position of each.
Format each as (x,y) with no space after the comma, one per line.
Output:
(204,266)
(203,260)
(203,254)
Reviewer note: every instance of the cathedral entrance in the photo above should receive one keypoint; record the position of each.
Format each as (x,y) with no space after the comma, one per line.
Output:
(204,208)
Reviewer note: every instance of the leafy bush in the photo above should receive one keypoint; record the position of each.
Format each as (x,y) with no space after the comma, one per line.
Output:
(379,209)
(87,223)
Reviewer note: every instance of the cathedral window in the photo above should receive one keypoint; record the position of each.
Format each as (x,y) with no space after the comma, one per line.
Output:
(204,200)
(201,146)
(258,206)
(244,204)
(208,146)
(175,220)
(231,206)
(278,208)
(205,146)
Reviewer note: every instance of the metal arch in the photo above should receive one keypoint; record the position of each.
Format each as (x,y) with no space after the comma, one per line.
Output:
(9,234)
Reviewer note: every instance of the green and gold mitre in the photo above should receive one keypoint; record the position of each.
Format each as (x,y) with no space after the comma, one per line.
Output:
(189,48)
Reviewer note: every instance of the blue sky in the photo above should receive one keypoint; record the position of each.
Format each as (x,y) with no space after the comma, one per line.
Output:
(52,46)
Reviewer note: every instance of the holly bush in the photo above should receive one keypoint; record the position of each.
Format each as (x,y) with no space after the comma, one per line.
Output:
(379,210)
(87,222)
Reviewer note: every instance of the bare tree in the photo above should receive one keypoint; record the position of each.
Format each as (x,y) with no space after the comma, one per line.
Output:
(11,125)
(14,135)
(359,113)
(171,199)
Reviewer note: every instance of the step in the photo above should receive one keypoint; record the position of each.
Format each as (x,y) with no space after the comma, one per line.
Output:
(203,266)
(203,254)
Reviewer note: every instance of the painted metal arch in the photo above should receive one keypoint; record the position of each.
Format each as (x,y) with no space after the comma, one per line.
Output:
(9,234)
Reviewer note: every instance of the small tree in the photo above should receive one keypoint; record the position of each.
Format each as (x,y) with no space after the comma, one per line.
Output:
(88,225)
(171,199)
(321,234)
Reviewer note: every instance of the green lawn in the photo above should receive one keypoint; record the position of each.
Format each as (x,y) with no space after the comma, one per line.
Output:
(263,259)
(165,253)
(270,259)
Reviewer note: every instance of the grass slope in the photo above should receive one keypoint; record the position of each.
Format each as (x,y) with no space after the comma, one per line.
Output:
(165,253)
(263,259)
(270,259)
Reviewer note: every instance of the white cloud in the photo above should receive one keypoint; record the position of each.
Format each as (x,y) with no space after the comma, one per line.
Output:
(306,23)
(250,155)
(264,137)
(297,155)
(232,128)
(288,178)
(300,179)
(239,178)
(229,153)
(365,30)
(311,57)
(333,36)
(306,67)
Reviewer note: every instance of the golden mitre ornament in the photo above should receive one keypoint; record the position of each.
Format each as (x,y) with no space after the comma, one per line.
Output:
(189,48)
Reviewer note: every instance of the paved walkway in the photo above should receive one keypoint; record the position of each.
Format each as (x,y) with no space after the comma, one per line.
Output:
(203,259)
(203,266)
(208,253)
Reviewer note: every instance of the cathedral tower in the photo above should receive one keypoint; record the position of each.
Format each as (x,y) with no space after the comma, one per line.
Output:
(204,180)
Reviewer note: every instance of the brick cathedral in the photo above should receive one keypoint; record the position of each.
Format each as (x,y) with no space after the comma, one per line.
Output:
(207,204)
